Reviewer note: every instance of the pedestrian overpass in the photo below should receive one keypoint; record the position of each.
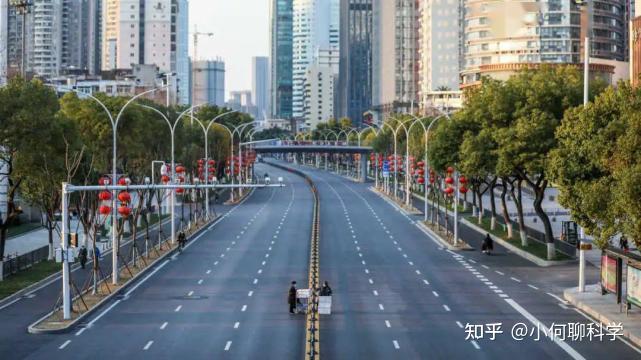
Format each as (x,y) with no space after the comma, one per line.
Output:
(317,148)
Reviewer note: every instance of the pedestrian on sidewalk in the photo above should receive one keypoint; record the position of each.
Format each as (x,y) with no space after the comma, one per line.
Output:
(623,243)
(488,244)
(82,256)
(291,297)
(326,290)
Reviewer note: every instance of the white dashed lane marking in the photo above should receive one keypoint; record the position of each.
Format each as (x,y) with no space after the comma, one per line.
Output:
(148,345)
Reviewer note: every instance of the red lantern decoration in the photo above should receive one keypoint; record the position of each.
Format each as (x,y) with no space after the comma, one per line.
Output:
(180,169)
(463,190)
(181,179)
(105,210)
(421,172)
(123,181)
(462,180)
(420,164)
(180,191)
(449,180)
(201,162)
(104,181)
(212,162)
(104,195)
(432,180)
(450,169)
(124,197)
(421,180)
(165,179)
(124,211)
(449,191)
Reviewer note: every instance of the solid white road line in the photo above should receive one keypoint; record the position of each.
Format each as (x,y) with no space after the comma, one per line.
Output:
(64,344)
(244,308)
(103,313)
(567,348)
(164,325)
(148,345)
(146,278)
(236,325)
(10,303)
(228,345)
(396,344)
(558,298)
(178,308)
(388,324)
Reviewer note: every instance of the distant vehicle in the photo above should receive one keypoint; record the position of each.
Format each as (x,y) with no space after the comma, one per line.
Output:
(267,179)
(260,158)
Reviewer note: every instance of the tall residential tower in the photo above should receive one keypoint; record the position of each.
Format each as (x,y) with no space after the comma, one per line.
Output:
(281,40)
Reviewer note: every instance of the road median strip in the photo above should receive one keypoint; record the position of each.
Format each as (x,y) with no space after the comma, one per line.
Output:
(312,325)
(52,323)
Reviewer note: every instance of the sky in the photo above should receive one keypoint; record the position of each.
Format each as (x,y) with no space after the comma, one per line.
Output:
(241,31)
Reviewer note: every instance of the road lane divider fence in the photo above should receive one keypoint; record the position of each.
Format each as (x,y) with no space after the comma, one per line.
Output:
(312,323)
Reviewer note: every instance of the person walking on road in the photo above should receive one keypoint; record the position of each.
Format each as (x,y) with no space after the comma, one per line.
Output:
(82,256)
(488,244)
(291,298)
(326,290)
(181,240)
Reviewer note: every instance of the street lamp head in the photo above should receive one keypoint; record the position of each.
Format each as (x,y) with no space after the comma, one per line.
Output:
(147,180)
(280,179)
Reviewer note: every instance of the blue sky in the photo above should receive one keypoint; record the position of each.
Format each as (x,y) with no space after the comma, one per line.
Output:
(241,30)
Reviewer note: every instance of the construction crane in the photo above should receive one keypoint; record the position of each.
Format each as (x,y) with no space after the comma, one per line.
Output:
(196,34)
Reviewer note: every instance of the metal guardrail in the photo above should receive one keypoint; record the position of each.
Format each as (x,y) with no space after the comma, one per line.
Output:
(13,264)
(312,324)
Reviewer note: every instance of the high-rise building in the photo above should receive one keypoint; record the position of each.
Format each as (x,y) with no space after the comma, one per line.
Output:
(80,32)
(502,37)
(318,95)
(181,15)
(354,90)
(316,28)
(439,62)
(281,40)
(260,85)
(208,77)
(4,41)
(46,52)
(394,55)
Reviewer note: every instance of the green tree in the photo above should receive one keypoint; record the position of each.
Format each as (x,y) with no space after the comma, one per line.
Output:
(597,164)
(27,115)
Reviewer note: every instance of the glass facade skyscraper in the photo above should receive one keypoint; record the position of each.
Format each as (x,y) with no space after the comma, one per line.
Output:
(281,56)
(355,77)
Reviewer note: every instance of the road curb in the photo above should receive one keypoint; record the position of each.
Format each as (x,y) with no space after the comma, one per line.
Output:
(44,282)
(419,224)
(32,327)
(574,297)
(522,253)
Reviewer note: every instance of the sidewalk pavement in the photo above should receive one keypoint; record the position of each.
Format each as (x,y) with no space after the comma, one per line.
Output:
(604,309)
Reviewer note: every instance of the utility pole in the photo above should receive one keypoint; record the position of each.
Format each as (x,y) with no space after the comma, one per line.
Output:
(23,7)
(587,5)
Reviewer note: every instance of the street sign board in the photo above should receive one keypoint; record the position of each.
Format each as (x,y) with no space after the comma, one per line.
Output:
(303,293)
(385,169)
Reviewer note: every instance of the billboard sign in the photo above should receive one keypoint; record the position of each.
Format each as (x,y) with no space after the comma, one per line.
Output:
(609,273)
